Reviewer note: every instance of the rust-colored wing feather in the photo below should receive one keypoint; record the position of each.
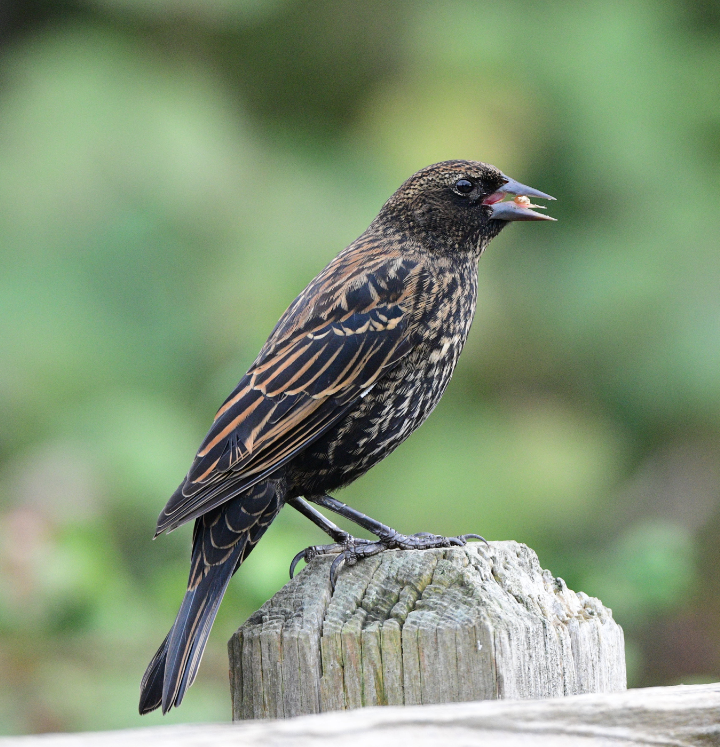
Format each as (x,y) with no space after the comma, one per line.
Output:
(351,324)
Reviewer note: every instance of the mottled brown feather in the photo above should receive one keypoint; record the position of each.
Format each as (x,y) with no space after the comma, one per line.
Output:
(354,366)
(352,324)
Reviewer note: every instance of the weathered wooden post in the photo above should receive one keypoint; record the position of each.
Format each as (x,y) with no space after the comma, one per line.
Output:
(432,626)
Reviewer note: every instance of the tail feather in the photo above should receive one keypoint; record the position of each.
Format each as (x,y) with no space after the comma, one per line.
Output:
(151,686)
(222,539)
(192,628)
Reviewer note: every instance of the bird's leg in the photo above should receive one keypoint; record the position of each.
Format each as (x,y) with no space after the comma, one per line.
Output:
(350,549)
(340,537)
(309,512)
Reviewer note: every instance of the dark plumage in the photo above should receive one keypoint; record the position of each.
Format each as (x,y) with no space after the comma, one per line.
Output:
(356,363)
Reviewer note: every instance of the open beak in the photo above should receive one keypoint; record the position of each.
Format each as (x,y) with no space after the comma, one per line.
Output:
(520,207)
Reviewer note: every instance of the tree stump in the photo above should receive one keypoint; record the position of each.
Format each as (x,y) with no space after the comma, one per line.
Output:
(423,626)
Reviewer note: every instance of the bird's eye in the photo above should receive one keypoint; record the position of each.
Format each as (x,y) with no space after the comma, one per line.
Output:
(463,186)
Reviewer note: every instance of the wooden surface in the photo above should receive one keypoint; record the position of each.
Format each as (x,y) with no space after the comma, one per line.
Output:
(417,627)
(679,716)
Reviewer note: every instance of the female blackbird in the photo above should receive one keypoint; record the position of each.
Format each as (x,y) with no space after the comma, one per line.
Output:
(353,367)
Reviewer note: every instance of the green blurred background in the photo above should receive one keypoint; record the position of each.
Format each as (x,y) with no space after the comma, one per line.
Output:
(173,172)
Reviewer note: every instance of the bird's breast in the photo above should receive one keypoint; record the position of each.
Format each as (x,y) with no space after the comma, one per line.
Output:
(400,400)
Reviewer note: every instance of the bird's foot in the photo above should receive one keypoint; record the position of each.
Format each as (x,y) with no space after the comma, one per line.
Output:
(392,540)
(314,551)
(425,540)
(352,549)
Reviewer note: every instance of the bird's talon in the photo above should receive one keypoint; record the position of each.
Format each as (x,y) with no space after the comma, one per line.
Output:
(475,537)
(295,561)
(335,569)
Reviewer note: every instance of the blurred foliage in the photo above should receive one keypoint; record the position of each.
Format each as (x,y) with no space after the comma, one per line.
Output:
(173,172)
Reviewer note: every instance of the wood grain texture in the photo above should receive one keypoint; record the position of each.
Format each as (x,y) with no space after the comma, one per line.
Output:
(682,716)
(418,627)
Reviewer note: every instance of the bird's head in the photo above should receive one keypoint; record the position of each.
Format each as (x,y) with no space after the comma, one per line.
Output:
(457,206)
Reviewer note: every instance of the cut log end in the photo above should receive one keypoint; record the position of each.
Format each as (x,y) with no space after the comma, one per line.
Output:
(423,626)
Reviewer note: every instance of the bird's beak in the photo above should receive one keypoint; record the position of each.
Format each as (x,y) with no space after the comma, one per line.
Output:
(519,208)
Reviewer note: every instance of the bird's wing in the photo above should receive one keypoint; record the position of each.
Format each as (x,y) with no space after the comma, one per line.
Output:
(330,348)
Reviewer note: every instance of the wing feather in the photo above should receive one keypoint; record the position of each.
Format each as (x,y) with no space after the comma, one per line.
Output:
(314,366)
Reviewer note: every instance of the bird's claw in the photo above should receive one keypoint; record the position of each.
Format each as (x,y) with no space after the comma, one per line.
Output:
(426,540)
(353,549)
(335,569)
(314,551)
(467,537)
(302,555)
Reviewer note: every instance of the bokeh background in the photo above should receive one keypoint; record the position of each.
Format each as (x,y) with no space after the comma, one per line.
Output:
(173,172)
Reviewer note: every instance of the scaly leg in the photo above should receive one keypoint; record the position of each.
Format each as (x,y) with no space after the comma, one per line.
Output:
(339,536)
(350,549)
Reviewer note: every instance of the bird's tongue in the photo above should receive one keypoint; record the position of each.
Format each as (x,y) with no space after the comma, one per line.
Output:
(493,198)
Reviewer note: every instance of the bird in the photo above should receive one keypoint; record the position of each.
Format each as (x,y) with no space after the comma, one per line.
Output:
(356,363)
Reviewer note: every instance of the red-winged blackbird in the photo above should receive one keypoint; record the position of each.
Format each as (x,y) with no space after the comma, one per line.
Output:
(352,368)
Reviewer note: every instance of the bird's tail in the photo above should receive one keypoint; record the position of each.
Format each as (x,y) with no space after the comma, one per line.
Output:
(222,539)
